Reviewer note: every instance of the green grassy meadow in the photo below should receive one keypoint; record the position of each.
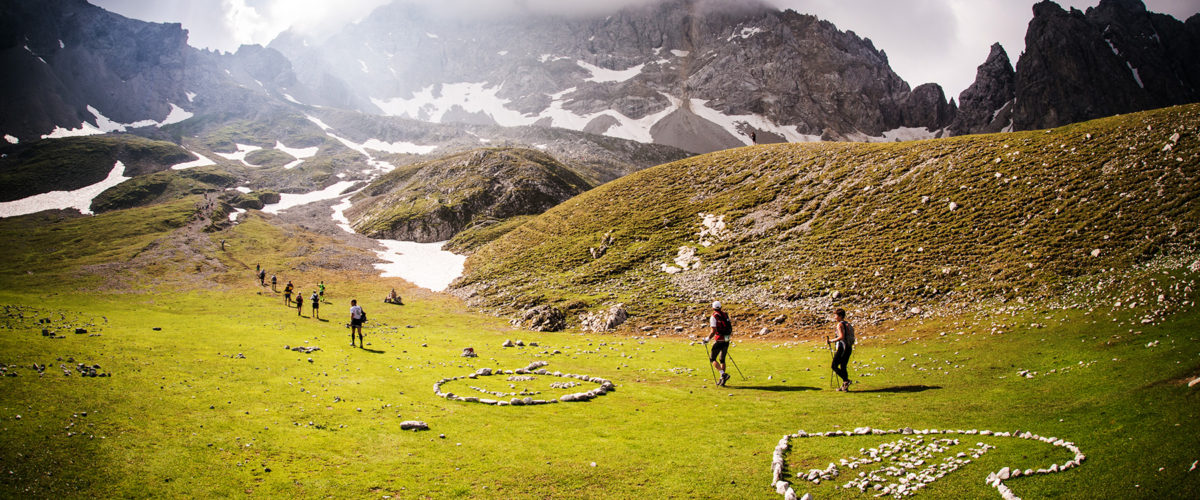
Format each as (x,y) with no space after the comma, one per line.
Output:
(201,397)
(207,405)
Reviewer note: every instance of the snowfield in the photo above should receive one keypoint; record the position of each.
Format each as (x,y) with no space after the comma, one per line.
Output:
(79,199)
(289,200)
(423,264)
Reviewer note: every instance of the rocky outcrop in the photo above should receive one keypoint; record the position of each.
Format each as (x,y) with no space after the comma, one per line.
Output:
(1115,58)
(542,319)
(604,321)
(986,106)
(432,201)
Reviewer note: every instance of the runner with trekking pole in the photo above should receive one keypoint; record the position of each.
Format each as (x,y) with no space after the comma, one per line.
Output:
(721,330)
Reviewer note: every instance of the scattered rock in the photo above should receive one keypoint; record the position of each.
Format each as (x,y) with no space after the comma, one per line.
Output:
(415,425)
(605,321)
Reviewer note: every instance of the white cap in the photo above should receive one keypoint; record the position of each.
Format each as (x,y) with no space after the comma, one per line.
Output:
(716,304)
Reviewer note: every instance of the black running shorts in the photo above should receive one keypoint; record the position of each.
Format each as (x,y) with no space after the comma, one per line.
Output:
(719,347)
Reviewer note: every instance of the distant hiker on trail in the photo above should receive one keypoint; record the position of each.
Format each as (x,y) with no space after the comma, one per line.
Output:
(845,346)
(753,137)
(316,304)
(357,317)
(722,330)
(321,287)
(273,281)
(299,303)
(287,294)
(262,277)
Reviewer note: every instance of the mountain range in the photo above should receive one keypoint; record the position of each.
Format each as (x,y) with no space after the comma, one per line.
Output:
(699,75)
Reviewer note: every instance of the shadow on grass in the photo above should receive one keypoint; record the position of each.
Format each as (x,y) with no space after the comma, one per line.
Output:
(901,388)
(373,351)
(773,388)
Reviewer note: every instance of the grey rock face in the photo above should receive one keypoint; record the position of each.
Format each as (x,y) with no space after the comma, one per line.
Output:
(986,106)
(658,62)
(1116,58)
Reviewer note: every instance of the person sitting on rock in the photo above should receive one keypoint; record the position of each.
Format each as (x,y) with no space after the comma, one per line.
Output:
(393,298)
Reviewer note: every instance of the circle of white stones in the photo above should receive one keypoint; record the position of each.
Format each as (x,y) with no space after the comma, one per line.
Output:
(916,481)
(535,368)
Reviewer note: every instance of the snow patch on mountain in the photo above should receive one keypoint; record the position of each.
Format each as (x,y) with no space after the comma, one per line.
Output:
(79,199)
(603,75)
(240,154)
(423,264)
(298,153)
(431,105)
(104,125)
(201,161)
(290,200)
(746,33)
(375,144)
(737,125)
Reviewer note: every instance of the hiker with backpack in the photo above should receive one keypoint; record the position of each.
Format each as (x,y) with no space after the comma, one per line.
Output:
(844,340)
(299,303)
(262,277)
(273,282)
(316,304)
(721,329)
(287,293)
(357,318)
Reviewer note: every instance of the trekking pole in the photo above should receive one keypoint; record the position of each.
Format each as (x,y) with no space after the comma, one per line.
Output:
(735,365)
(707,357)
(832,374)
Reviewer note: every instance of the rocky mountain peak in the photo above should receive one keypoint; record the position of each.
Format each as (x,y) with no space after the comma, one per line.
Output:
(986,106)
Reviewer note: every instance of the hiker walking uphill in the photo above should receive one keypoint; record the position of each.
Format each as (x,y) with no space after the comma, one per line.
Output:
(721,329)
(262,277)
(299,303)
(357,318)
(844,339)
(316,304)
(287,293)
(273,282)
(321,289)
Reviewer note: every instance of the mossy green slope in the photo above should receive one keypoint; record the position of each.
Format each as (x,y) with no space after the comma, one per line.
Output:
(880,227)
(74,162)
(434,200)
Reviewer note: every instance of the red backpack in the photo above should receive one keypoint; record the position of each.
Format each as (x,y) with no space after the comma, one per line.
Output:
(724,328)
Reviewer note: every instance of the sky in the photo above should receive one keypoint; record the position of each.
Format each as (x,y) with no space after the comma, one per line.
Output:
(940,41)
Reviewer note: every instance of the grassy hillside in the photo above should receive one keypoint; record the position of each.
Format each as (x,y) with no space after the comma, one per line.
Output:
(205,397)
(74,162)
(889,229)
(163,186)
(433,200)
